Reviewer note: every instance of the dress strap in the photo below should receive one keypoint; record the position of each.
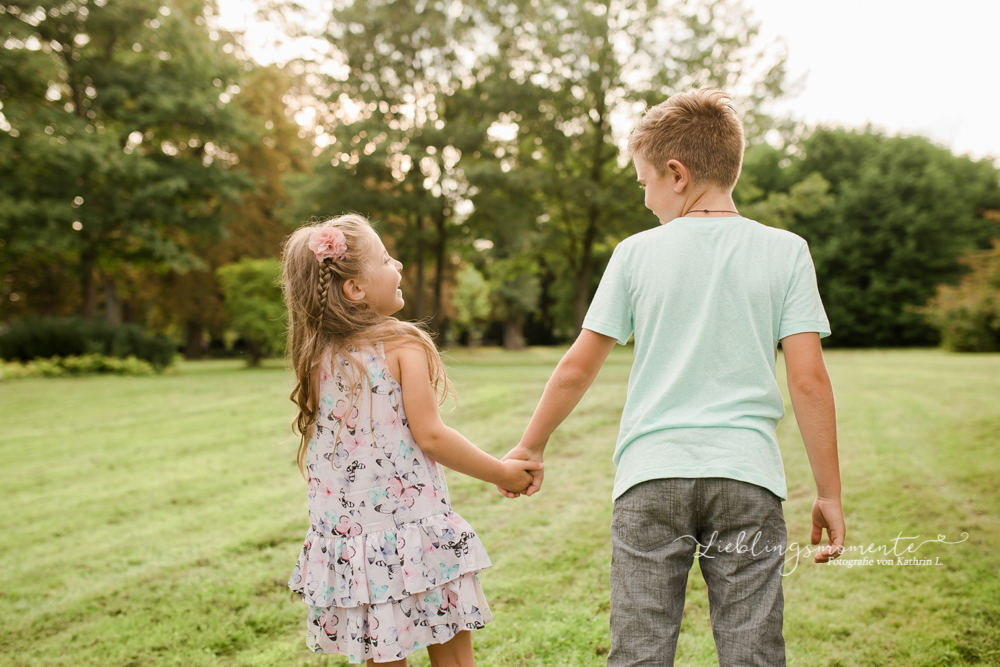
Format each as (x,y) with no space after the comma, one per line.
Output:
(380,346)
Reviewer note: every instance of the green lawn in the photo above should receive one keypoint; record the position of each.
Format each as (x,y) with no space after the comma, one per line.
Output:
(155,521)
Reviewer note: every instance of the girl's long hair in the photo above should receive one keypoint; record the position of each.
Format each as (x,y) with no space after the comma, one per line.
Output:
(322,319)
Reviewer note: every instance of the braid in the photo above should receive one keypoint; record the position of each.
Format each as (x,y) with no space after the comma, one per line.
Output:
(325,277)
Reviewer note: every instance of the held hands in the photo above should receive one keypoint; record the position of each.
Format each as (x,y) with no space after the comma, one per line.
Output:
(519,474)
(522,454)
(828,513)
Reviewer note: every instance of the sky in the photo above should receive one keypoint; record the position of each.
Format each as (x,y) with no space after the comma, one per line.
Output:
(907,66)
(915,67)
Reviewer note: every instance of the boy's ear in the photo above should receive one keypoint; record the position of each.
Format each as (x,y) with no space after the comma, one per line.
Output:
(678,174)
(352,290)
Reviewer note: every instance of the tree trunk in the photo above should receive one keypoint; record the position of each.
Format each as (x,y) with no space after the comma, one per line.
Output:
(440,246)
(254,354)
(475,339)
(546,302)
(88,283)
(582,292)
(112,304)
(581,300)
(194,346)
(418,304)
(513,333)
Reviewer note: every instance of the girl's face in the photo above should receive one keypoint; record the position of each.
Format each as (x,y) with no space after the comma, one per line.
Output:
(382,283)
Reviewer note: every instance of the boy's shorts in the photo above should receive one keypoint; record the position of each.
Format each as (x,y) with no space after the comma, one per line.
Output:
(654,529)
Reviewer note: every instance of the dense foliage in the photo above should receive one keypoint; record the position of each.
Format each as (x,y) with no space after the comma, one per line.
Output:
(506,150)
(968,315)
(255,305)
(141,150)
(44,337)
(886,218)
(118,139)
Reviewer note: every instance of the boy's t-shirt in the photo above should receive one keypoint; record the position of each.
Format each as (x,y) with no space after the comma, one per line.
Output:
(708,300)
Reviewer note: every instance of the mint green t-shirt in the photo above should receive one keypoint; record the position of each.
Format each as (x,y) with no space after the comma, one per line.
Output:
(708,299)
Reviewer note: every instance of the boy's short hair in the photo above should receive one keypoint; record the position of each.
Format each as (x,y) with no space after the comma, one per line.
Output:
(700,129)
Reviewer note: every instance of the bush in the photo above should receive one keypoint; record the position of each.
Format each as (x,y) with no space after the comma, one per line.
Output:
(968,315)
(76,365)
(42,338)
(254,301)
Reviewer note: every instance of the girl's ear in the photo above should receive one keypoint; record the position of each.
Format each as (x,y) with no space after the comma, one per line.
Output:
(352,290)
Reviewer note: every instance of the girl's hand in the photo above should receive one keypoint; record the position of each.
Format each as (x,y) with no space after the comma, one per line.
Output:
(519,474)
(523,453)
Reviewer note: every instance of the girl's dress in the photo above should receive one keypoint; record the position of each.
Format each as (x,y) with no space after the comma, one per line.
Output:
(387,567)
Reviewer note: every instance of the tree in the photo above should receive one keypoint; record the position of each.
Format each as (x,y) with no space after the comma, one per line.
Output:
(903,211)
(191,301)
(510,106)
(809,198)
(255,304)
(967,316)
(472,301)
(562,72)
(886,218)
(514,291)
(117,139)
(507,233)
(382,120)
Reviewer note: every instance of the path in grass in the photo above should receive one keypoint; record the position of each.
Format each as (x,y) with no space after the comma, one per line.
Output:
(154,521)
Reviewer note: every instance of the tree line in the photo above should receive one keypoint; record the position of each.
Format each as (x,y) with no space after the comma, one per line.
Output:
(143,152)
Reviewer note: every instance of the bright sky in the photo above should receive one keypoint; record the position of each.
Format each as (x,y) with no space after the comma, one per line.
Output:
(913,66)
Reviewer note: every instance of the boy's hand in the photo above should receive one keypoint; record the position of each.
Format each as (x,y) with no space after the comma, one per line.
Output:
(520,452)
(519,474)
(828,513)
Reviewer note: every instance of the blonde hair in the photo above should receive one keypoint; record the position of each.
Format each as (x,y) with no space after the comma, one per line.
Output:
(321,318)
(700,129)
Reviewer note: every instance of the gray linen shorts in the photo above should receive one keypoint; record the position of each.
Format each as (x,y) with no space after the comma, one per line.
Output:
(656,528)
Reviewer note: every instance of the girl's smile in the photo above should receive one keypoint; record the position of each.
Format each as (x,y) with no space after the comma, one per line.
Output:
(382,285)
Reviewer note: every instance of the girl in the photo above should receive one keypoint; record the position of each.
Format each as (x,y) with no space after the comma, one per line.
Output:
(387,566)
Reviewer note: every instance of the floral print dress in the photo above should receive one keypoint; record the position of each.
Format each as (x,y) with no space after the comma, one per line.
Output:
(387,567)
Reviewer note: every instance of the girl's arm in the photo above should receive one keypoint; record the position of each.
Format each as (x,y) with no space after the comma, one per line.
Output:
(444,444)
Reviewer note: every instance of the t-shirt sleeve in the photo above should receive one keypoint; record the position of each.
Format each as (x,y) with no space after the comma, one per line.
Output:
(803,310)
(610,313)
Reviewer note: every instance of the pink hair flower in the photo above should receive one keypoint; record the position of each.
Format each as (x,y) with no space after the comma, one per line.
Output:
(328,243)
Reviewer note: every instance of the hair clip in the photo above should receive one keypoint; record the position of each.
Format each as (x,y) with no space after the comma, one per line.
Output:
(328,243)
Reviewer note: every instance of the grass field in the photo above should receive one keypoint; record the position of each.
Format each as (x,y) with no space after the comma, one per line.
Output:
(155,521)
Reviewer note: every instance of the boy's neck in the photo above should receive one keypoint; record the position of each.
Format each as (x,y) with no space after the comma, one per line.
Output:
(710,203)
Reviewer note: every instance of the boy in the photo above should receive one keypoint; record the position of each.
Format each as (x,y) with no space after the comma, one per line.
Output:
(708,295)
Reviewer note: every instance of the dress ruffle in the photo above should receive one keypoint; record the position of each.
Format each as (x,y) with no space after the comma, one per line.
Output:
(387,565)
(392,630)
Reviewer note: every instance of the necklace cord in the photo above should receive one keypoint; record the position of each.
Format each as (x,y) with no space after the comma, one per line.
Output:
(705,210)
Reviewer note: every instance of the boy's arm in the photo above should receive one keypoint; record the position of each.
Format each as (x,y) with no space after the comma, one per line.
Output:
(569,382)
(815,412)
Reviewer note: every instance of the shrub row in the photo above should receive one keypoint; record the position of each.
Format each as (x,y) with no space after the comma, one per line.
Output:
(45,337)
(82,365)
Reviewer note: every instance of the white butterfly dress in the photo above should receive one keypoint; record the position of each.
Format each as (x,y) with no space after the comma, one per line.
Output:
(387,567)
